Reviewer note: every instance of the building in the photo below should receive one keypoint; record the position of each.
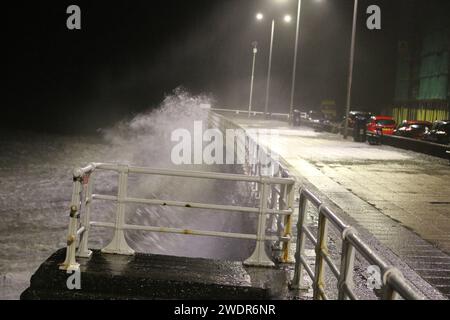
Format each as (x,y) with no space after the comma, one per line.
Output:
(422,85)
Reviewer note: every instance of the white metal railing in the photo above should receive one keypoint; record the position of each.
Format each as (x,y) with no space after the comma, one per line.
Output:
(251,113)
(82,198)
(259,161)
(393,283)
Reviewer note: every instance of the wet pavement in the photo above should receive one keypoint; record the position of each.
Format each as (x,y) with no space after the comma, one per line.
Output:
(400,197)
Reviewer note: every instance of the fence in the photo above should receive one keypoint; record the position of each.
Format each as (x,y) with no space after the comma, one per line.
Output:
(393,283)
(285,116)
(82,198)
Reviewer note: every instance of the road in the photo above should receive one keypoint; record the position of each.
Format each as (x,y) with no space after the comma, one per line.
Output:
(400,197)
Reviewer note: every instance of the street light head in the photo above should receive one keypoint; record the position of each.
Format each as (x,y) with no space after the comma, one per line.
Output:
(259,16)
(255,47)
(287,18)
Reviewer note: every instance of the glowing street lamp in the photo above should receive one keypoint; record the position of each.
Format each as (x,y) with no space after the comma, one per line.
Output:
(255,51)
(287,19)
(350,72)
(351,63)
(294,68)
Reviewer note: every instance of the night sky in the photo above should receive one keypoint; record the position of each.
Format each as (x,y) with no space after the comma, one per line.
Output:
(129,54)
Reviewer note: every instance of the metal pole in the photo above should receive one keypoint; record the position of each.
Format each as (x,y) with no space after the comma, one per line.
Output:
(298,281)
(255,51)
(119,244)
(294,71)
(266,109)
(350,73)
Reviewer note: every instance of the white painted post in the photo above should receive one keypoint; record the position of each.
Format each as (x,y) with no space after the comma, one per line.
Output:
(259,258)
(321,247)
(119,244)
(389,293)
(273,205)
(298,281)
(70,263)
(83,250)
(288,223)
(282,205)
(347,262)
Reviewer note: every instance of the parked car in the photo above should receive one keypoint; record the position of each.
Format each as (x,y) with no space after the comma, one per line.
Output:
(381,125)
(356,114)
(318,120)
(353,115)
(316,117)
(413,129)
(439,133)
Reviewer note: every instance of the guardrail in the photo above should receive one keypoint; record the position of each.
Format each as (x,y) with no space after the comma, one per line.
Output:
(259,161)
(421,146)
(393,283)
(252,113)
(82,198)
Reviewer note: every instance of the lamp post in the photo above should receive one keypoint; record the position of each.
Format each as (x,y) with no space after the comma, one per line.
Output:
(350,73)
(294,68)
(266,107)
(255,51)
(287,19)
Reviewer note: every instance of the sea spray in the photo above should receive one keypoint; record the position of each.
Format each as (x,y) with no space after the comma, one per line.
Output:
(145,140)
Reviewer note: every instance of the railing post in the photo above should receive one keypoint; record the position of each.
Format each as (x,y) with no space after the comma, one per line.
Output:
(70,263)
(259,257)
(388,291)
(288,222)
(282,201)
(83,250)
(298,281)
(322,247)
(258,185)
(278,205)
(273,219)
(119,244)
(345,282)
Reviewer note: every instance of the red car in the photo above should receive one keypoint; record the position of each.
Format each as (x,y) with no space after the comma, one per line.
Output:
(381,125)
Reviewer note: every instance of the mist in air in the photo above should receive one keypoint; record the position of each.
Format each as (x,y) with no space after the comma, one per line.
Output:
(146,141)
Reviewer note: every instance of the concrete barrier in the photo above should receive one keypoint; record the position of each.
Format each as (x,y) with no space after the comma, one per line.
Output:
(432,149)
(332,128)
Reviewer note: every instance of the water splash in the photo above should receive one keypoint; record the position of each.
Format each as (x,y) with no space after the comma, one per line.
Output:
(146,141)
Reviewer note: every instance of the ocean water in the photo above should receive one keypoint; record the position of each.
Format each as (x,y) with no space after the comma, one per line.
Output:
(36,184)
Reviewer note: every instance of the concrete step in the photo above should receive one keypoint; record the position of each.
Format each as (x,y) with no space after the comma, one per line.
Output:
(145,276)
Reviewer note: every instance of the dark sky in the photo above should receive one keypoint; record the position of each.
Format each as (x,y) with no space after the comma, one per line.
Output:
(129,54)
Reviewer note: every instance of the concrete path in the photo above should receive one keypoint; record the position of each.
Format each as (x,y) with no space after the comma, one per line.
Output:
(401,197)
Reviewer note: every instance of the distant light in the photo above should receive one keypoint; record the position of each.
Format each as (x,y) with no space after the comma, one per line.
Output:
(259,16)
(287,18)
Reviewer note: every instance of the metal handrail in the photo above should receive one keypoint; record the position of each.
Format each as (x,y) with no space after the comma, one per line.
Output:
(278,197)
(82,198)
(253,113)
(393,282)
